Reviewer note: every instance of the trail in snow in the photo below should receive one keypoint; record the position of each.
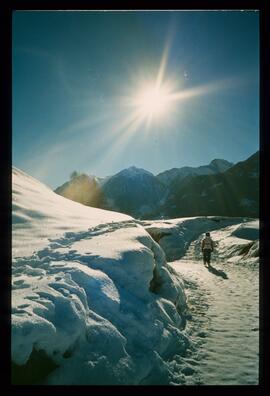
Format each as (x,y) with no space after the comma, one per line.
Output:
(224,322)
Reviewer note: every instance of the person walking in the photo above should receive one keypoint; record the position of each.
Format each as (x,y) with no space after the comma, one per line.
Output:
(207,248)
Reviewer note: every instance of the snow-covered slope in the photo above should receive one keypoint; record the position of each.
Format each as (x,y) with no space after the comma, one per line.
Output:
(39,214)
(93,300)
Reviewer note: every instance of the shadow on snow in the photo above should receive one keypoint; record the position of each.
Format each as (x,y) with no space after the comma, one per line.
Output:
(216,271)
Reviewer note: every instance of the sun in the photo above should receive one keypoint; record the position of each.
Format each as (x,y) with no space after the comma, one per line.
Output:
(153,101)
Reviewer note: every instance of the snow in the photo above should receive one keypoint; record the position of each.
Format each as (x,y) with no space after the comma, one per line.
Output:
(223,301)
(224,310)
(134,172)
(249,230)
(239,243)
(39,214)
(224,324)
(92,290)
(174,236)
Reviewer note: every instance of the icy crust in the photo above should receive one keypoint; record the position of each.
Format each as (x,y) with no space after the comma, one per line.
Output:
(175,236)
(101,302)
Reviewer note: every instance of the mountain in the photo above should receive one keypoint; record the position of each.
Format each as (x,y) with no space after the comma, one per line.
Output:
(84,189)
(219,188)
(215,166)
(234,192)
(134,191)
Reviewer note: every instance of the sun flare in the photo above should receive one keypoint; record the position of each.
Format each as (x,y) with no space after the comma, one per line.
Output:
(153,101)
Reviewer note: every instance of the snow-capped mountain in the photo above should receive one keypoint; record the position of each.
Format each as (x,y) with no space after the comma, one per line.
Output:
(215,166)
(134,191)
(187,191)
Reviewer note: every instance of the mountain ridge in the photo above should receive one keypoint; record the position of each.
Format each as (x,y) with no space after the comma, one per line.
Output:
(175,192)
(231,193)
(216,165)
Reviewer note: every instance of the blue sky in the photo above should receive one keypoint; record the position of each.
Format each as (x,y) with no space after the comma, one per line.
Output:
(74,74)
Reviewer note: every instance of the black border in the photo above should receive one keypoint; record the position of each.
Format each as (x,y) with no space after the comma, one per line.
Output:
(5,191)
(6,182)
(264,198)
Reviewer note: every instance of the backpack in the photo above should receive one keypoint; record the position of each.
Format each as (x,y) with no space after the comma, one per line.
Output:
(207,243)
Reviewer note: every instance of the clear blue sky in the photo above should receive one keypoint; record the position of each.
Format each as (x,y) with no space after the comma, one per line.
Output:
(72,73)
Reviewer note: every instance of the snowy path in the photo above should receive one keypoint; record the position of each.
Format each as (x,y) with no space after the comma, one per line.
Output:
(224,322)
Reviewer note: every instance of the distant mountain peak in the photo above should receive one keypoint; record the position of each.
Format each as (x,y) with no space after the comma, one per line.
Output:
(220,164)
(220,161)
(134,171)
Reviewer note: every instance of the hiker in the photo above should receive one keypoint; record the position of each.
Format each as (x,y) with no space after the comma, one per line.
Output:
(207,248)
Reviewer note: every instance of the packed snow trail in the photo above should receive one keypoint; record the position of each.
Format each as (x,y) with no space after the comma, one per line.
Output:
(224,321)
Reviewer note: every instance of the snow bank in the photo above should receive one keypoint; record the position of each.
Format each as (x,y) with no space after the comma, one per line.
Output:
(239,243)
(249,231)
(175,236)
(93,300)
(230,244)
